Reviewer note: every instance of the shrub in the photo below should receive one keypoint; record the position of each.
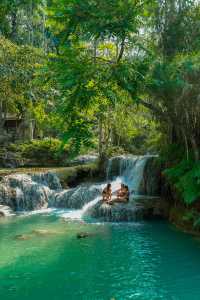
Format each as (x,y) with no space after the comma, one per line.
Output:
(185,176)
(42,150)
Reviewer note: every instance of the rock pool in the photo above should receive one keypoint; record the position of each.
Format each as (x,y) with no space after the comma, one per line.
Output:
(41,258)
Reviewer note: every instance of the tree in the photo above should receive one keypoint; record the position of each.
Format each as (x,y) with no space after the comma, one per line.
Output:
(24,23)
(93,39)
(18,93)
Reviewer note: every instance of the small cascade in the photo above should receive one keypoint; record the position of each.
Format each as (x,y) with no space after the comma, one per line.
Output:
(77,197)
(28,191)
(35,192)
(81,213)
(129,169)
(126,169)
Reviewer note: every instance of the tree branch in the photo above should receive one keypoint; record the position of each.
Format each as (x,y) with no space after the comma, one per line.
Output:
(121,50)
(154,108)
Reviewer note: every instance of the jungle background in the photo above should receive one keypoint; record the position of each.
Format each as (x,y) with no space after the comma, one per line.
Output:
(107,77)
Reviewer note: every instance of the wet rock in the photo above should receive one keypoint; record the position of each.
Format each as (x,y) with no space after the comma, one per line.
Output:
(49,179)
(83,235)
(23,237)
(2,214)
(117,212)
(138,209)
(5,211)
(28,191)
(83,159)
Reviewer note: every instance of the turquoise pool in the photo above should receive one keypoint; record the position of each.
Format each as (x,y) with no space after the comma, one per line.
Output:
(142,261)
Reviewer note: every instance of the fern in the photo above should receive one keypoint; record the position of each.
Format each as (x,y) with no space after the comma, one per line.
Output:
(186,178)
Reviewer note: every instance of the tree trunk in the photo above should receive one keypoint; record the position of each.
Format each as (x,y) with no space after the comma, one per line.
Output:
(2,117)
(194,148)
(186,143)
(13,34)
(100,137)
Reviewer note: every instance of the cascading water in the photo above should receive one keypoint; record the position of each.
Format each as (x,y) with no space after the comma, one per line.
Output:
(39,191)
(129,170)
(28,192)
(122,169)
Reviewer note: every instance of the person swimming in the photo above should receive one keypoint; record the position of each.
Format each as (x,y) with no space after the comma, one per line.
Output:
(107,193)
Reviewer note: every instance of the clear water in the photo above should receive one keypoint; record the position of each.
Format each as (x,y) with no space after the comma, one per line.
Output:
(147,261)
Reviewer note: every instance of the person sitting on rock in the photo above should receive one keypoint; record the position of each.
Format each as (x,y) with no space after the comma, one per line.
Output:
(107,193)
(127,193)
(120,192)
(122,195)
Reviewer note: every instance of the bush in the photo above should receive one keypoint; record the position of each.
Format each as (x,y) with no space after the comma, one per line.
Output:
(42,150)
(114,151)
(185,176)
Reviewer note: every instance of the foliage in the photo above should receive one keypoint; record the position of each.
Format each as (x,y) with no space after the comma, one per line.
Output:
(186,178)
(23,22)
(90,67)
(192,216)
(18,65)
(104,56)
(43,150)
(118,74)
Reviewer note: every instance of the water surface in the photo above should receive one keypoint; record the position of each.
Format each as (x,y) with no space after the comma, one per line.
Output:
(142,261)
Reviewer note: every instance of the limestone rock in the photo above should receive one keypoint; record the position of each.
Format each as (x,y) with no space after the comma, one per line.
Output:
(27,191)
(5,211)
(136,210)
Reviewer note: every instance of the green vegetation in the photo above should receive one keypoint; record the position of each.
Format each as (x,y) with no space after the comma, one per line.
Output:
(45,151)
(185,176)
(104,76)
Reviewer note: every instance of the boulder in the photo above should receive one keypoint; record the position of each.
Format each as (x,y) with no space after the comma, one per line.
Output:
(2,214)
(136,210)
(28,192)
(5,211)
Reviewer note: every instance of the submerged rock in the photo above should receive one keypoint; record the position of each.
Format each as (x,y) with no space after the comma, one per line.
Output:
(43,232)
(23,237)
(83,235)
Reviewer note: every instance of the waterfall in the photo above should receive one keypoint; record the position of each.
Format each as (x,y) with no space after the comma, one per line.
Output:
(77,197)
(128,169)
(28,192)
(80,213)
